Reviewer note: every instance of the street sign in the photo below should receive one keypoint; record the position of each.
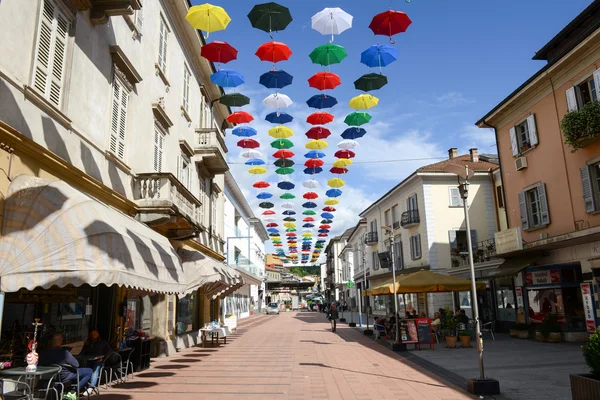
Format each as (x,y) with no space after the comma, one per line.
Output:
(349,284)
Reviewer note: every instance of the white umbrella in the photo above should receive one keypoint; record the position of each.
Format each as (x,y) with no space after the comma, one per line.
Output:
(348,144)
(287,205)
(331,21)
(277,100)
(269,219)
(311,184)
(251,153)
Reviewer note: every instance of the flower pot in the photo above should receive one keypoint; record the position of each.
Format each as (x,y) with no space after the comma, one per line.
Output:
(555,337)
(523,334)
(585,387)
(539,337)
(451,341)
(514,333)
(465,340)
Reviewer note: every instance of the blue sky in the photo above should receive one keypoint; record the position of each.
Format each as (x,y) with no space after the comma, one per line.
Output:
(456,61)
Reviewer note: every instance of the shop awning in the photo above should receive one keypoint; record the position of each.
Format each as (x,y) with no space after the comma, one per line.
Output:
(55,235)
(422,282)
(204,271)
(512,266)
(249,279)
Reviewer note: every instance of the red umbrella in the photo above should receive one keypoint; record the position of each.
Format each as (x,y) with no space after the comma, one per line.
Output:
(328,209)
(314,163)
(319,118)
(389,23)
(322,235)
(248,144)
(290,234)
(240,117)
(219,52)
(277,245)
(310,195)
(324,80)
(318,132)
(338,170)
(308,219)
(261,185)
(273,51)
(283,154)
(269,212)
(271,225)
(344,154)
(324,226)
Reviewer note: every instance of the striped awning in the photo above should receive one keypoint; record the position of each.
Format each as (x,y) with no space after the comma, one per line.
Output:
(202,270)
(55,235)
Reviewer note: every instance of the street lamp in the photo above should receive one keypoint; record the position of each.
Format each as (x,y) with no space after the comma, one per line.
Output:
(390,232)
(367,332)
(480,385)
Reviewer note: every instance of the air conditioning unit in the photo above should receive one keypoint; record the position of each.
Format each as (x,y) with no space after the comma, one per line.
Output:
(521,163)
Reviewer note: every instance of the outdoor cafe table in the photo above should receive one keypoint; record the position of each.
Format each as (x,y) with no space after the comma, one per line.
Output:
(29,376)
(220,331)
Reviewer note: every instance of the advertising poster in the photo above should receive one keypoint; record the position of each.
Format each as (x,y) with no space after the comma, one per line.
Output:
(588,307)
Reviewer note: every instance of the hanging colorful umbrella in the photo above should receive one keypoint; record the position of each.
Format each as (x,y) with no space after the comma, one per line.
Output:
(291,234)
(244,131)
(270,17)
(329,209)
(277,100)
(314,163)
(379,55)
(342,162)
(284,171)
(327,54)
(335,183)
(218,52)
(323,235)
(273,52)
(337,170)
(239,117)
(208,18)
(327,215)
(248,144)
(227,78)
(363,102)
(310,195)
(234,100)
(316,144)
(314,154)
(255,161)
(309,204)
(324,81)
(289,219)
(266,204)
(313,171)
(321,101)
(264,195)
(284,162)
(257,170)
(331,21)
(308,219)
(283,154)
(331,202)
(344,154)
(270,212)
(272,224)
(307,234)
(309,212)
(272,230)
(319,118)
(289,225)
(289,212)
(348,144)
(371,81)
(261,185)
(324,226)
(311,184)
(353,133)
(286,185)
(357,118)
(251,153)
(282,144)
(389,23)
(318,132)
(281,132)
(279,118)
(288,206)
(287,196)
(275,79)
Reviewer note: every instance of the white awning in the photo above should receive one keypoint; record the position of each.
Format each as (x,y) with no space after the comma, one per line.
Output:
(202,270)
(55,235)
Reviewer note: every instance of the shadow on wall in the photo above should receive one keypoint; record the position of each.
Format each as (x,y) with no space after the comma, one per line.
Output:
(89,163)
(10,111)
(115,179)
(54,142)
(94,42)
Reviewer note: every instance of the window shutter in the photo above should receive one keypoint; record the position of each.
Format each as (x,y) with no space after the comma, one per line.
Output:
(533,137)
(58,58)
(114,123)
(418,245)
(186,88)
(139,19)
(513,142)
(474,240)
(122,123)
(523,209)
(180,170)
(541,188)
(597,83)
(588,191)
(162,46)
(452,239)
(158,149)
(571,99)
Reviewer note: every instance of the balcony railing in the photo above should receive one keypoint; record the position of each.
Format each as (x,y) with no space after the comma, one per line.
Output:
(410,218)
(482,252)
(211,146)
(396,225)
(371,238)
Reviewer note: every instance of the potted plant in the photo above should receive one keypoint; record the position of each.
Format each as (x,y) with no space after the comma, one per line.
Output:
(465,338)
(449,329)
(520,331)
(587,386)
(582,127)
(525,146)
(549,330)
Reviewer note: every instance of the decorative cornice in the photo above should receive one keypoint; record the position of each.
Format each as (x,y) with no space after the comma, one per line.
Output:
(158,107)
(186,148)
(124,65)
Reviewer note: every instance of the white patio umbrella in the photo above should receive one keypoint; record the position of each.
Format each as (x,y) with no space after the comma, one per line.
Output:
(311,184)
(251,153)
(348,144)
(289,206)
(331,21)
(277,100)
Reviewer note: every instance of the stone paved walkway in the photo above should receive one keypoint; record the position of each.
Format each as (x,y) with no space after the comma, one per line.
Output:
(289,356)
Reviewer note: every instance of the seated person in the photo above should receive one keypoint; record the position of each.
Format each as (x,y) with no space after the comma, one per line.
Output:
(436,319)
(423,315)
(380,326)
(95,346)
(462,317)
(58,355)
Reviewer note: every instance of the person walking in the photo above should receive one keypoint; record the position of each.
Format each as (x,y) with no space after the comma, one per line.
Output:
(333,317)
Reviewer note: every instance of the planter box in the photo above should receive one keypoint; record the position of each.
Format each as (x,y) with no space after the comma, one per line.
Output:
(554,337)
(539,337)
(586,140)
(519,334)
(585,387)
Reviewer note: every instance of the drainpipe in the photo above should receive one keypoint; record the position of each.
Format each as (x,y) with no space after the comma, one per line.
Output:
(501,173)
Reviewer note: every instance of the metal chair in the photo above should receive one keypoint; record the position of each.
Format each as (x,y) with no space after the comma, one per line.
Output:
(51,385)
(67,385)
(15,393)
(126,366)
(489,327)
(112,365)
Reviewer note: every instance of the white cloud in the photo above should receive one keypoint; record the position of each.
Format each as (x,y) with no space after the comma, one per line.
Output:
(483,139)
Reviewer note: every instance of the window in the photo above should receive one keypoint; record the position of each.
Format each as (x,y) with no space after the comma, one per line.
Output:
(186,89)
(186,313)
(387,218)
(499,196)
(374,225)
(163,41)
(459,242)
(534,207)
(415,246)
(586,92)
(395,216)
(185,174)
(455,197)
(523,136)
(411,203)
(118,122)
(375,260)
(398,252)
(214,213)
(159,139)
(50,55)
(202,199)
(590,182)
(205,113)
(138,20)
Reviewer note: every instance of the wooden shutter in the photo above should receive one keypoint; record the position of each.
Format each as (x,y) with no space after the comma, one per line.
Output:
(531,127)
(597,83)
(186,88)
(523,210)
(545,215)
(418,245)
(588,191)
(514,144)
(139,19)
(571,99)
(158,149)
(118,127)
(452,239)
(455,199)
(162,45)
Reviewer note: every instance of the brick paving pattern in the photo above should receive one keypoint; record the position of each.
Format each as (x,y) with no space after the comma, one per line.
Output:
(288,356)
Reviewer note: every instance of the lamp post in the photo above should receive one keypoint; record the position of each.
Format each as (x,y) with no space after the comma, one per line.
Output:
(390,232)
(367,332)
(480,385)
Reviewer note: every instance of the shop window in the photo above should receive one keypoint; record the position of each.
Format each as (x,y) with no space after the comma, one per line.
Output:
(379,303)
(186,313)
(565,302)
(505,300)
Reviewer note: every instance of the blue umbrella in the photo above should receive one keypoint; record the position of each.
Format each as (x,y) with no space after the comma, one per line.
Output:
(309,204)
(255,161)
(264,195)
(315,154)
(289,212)
(308,226)
(353,133)
(321,101)
(312,171)
(285,185)
(323,230)
(244,131)
(327,215)
(379,55)
(227,78)
(279,118)
(272,230)
(275,79)
(333,193)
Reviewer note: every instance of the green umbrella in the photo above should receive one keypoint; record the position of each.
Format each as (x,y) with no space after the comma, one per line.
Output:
(287,196)
(327,54)
(370,82)
(357,118)
(284,162)
(309,212)
(270,17)
(234,100)
(282,144)
(276,241)
(284,171)
(290,230)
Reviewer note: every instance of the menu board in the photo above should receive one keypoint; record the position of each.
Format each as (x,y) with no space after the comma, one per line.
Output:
(417,331)
(408,331)
(424,330)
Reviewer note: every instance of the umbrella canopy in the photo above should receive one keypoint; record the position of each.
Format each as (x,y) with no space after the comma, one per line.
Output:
(309,204)
(286,185)
(272,224)
(344,154)
(331,202)
(264,195)
(424,282)
(208,18)
(244,131)
(234,100)
(324,226)
(342,162)
(282,144)
(277,100)
(331,21)
(321,101)
(266,204)
(379,55)
(288,206)
(240,117)
(289,212)
(310,184)
(257,170)
(327,215)
(273,52)
(308,219)
(261,185)
(279,118)
(313,171)
(318,132)
(363,102)
(327,54)
(319,118)
(227,78)
(255,161)
(389,23)
(335,183)
(283,154)
(270,17)
(289,225)
(316,144)
(283,162)
(314,163)
(306,234)
(275,79)
(272,230)
(281,132)
(290,219)
(287,196)
(323,235)
(290,234)
(357,118)
(329,209)
(310,195)
(218,52)
(369,82)
(314,154)
(324,81)
(269,212)
(309,212)
(353,133)
(347,144)
(284,171)
(333,193)
(248,144)
(251,153)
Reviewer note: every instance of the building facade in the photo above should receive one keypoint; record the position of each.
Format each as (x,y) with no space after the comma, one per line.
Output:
(338,272)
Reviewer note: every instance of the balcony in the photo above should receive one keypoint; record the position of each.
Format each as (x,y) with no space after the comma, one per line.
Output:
(211,147)
(410,218)
(396,225)
(482,252)
(102,10)
(168,206)
(371,238)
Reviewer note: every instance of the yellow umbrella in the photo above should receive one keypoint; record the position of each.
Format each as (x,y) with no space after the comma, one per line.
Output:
(342,162)
(289,224)
(208,18)
(331,202)
(363,101)
(316,144)
(336,183)
(257,170)
(424,282)
(305,234)
(275,237)
(281,132)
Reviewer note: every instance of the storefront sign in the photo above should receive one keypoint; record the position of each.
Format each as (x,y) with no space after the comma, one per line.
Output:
(519,291)
(544,277)
(231,322)
(595,249)
(588,307)
(508,240)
